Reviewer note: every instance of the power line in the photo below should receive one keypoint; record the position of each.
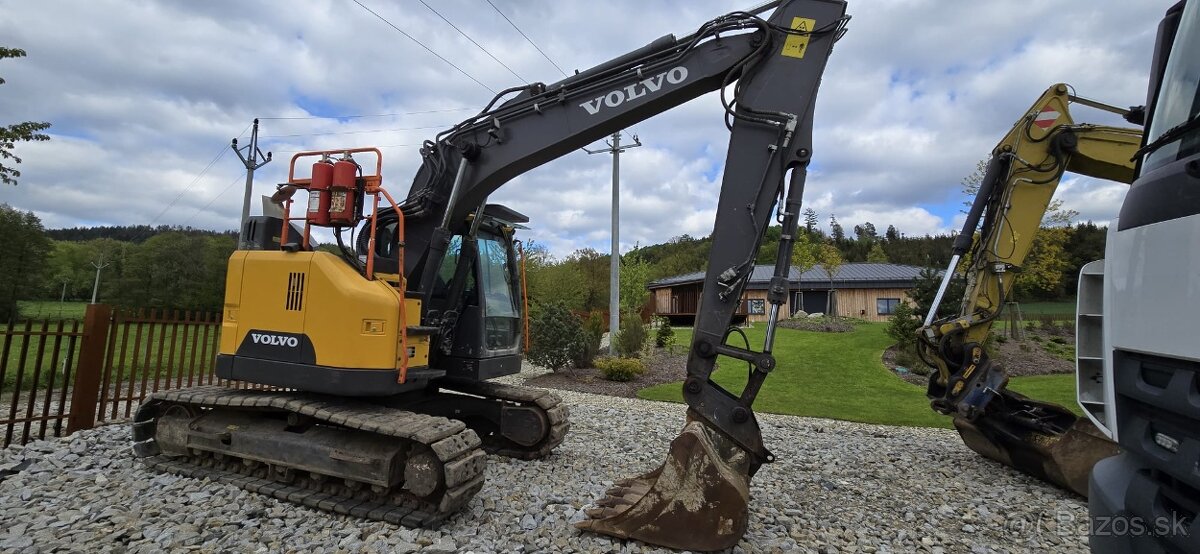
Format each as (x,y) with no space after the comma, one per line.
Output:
(210,165)
(356,116)
(377,146)
(213,199)
(358,132)
(422,45)
(477,45)
(527,39)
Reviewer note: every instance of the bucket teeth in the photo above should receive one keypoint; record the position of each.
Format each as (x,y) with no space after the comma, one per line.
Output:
(698,499)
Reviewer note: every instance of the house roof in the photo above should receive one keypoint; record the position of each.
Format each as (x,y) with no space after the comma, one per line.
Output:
(850,275)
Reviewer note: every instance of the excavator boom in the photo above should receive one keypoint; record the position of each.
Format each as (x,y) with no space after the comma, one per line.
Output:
(1042,439)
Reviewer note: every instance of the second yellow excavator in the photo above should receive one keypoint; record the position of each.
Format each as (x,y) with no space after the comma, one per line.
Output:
(1039,438)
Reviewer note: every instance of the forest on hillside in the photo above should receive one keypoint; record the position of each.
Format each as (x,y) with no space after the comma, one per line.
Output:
(170,267)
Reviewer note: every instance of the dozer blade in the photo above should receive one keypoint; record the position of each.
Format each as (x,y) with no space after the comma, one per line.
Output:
(697,500)
(1039,438)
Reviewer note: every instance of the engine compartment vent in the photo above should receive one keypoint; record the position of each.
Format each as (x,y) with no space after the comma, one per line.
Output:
(295,292)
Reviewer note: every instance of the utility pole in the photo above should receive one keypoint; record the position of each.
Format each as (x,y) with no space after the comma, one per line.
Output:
(614,266)
(250,160)
(96,287)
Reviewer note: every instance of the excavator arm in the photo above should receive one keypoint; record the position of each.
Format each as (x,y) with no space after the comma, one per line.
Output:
(768,71)
(1025,168)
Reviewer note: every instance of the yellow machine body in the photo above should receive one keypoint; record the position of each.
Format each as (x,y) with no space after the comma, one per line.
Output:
(313,311)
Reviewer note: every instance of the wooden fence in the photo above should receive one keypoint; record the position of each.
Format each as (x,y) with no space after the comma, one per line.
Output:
(100,369)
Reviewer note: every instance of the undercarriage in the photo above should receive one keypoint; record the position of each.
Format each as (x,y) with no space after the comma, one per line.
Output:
(390,459)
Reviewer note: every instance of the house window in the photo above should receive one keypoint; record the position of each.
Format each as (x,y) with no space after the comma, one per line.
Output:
(886,306)
(756,306)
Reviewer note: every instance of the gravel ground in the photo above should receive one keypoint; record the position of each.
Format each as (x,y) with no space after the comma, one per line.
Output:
(837,487)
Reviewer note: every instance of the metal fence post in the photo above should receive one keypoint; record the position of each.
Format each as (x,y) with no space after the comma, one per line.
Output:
(86,390)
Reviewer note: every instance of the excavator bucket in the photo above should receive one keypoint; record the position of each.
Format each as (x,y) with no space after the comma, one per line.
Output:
(1062,449)
(697,500)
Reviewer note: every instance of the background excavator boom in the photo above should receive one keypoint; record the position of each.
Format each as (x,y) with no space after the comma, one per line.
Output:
(1022,175)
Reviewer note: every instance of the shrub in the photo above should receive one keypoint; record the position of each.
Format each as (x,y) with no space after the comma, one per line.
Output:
(665,335)
(556,337)
(830,324)
(632,335)
(593,331)
(903,325)
(620,369)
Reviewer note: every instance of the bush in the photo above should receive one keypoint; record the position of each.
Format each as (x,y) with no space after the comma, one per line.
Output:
(556,337)
(903,325)
(831,324)
(665,335)
(620,369)
(632,336)
(593,331)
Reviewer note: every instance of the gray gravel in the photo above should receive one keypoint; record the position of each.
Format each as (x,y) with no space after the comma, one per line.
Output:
(837,487)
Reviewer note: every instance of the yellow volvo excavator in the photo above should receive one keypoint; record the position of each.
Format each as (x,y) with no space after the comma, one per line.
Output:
(378,358)
(1042,439)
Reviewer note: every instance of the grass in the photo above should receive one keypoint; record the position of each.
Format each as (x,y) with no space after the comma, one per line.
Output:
(841,376)
(139,361)
(1030,309)
(1059,389)
(51,309)
(833,375)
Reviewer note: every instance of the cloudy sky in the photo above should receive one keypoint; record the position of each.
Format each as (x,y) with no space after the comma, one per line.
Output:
(144,97)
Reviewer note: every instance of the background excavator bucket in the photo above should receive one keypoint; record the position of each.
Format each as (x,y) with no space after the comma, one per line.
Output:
(697,500)
(1064,458)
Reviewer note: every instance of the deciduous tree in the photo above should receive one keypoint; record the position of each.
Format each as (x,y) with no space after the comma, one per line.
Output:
(18,132)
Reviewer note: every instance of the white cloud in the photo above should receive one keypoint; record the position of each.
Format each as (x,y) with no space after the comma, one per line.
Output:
(142,96)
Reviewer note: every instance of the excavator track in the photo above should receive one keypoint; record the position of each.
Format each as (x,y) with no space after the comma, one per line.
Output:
(544,422)
(405,468)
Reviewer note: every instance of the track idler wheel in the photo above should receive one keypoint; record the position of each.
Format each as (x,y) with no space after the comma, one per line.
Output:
(697,500)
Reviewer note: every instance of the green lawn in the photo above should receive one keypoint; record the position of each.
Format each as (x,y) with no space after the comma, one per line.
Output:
(1059,389)
(834,375)
(841,376)
(150,349)
(1031,309)
(51,309)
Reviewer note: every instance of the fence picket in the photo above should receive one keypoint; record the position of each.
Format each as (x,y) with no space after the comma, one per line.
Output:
(58,335)
(101,371)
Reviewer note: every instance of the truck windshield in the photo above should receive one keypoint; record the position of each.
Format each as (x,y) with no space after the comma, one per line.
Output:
(1175,128)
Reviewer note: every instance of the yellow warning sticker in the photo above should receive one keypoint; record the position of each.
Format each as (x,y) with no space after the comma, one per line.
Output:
(796,45)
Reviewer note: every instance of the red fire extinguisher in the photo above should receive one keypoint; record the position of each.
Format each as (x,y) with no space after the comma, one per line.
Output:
(341,198)
(318,192)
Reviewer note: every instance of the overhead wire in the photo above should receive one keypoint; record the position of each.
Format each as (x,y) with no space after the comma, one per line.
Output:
(422,45)
(224,149)
(397,129)
(527,39)
(477,45)
(213,199)
(357,116)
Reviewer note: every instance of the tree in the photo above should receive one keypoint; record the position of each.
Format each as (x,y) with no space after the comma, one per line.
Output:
(592,269)
(18,132)
(925,290)
(835,229)
(635,275)
(804,253)
(892,234)
(831,261)
(877,254)
(23,251)
(865,232)
(810,219)
(1043,270)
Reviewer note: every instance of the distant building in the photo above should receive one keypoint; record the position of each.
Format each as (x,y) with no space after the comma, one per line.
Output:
(868,290)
